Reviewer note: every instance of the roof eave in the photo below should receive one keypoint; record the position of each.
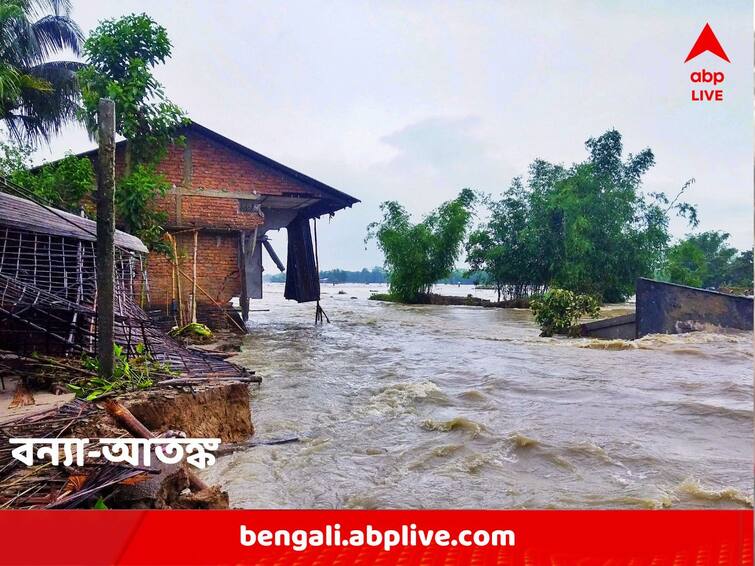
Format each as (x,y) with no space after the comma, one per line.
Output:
(347,199)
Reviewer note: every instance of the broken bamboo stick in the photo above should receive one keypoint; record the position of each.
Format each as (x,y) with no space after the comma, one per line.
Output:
(176,267)
(217,304)
(194,290)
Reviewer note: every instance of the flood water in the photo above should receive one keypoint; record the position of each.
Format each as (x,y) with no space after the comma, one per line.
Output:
(463,407)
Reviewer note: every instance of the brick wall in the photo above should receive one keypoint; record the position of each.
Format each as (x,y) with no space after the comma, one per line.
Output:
(217,270)
(208,178)
(206,166)
(216,166)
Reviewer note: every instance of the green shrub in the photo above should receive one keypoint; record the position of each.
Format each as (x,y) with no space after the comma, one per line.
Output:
(558,310)
(137,372)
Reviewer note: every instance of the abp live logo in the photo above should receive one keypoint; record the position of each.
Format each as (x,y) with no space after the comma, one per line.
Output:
(704,79)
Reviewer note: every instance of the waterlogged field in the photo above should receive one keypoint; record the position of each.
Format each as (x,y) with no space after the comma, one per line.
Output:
(453,407)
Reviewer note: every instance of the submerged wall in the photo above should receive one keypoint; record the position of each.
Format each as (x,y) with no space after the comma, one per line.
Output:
(616,328)
(666,308)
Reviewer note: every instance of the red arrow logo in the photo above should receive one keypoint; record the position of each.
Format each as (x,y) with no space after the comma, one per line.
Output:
(707,42)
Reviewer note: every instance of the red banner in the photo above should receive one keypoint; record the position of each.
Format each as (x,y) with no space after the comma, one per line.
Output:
(388,537)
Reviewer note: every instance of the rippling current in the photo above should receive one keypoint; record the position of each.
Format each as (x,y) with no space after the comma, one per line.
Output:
(463,407)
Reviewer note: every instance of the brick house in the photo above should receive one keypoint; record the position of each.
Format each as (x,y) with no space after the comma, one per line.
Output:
(224,198)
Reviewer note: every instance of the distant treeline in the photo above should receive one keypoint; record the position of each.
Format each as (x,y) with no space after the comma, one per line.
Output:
(589,228)
(376,275)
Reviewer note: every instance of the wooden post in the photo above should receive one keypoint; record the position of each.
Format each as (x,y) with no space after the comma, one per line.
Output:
(243,298)
(105,235)
(174,244)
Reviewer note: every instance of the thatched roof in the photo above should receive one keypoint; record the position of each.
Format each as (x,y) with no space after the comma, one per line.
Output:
(27,215)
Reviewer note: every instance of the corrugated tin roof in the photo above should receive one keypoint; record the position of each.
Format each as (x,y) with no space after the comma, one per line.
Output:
(23,214)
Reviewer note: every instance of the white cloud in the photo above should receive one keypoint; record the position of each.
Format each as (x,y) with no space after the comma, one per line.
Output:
(414,100)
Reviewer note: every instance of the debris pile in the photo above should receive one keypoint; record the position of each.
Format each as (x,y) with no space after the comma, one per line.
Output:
(48,333)
(44,486)
(48,292)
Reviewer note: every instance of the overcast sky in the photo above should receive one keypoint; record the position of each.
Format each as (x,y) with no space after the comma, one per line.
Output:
(414,100)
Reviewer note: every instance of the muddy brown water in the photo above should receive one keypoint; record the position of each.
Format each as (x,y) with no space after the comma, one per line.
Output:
(465,407)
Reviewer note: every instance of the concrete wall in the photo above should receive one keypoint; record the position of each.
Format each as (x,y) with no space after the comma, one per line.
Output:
(616,328)
(665,308)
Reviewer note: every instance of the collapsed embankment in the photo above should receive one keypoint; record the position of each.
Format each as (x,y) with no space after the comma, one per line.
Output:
(208,410)
(204,411)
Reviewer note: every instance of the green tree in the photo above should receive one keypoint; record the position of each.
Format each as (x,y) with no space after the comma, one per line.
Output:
(135,196)
(707,260)
(587,228)
(557,311)
(610,232)
(685,264)
(65,184)
(120,56)
(741,271)
(334,276)
(501,248)
(418,255)
(377,275)
(38,96)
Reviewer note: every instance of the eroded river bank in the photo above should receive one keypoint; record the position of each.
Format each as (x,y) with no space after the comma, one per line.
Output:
(453,407)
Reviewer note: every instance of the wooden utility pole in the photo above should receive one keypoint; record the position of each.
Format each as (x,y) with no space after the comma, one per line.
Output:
(105,235)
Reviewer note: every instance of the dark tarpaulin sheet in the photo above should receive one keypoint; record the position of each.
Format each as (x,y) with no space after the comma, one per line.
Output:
(302,277)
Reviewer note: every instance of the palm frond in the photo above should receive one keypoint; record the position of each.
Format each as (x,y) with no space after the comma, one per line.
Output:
(56,71)
(39,113)
(39,7)
(28,82)
(56,33)
(11,18)
(37,96)
(26,129)
(9,84)
(25,42)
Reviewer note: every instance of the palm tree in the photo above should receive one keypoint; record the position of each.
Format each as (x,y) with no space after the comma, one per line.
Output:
(37,96)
